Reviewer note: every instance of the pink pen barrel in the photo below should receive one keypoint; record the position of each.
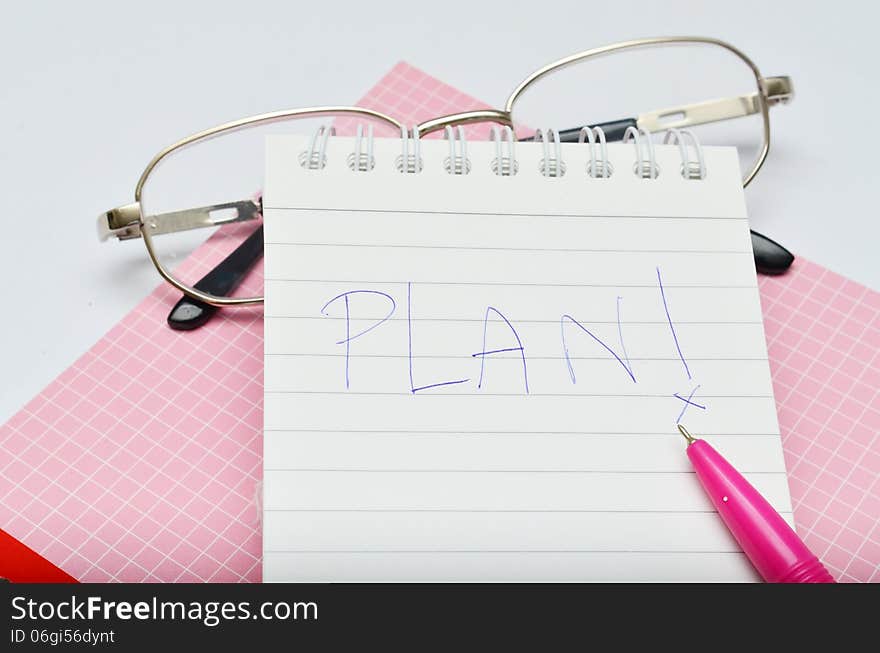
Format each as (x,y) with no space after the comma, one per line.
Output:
(765,537)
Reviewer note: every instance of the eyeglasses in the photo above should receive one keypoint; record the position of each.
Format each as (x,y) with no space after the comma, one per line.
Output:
(201,188)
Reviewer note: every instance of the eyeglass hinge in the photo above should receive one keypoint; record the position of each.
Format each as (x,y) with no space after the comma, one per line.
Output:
(777,90)
(124,222)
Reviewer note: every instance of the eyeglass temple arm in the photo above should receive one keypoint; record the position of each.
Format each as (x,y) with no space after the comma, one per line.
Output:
(189,313)
(686,115)
(124,222)
(776,90)
(770,256)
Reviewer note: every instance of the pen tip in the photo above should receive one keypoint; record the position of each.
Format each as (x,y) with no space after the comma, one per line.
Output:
(687,436)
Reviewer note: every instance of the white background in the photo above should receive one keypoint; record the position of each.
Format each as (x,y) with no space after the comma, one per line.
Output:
(90,91)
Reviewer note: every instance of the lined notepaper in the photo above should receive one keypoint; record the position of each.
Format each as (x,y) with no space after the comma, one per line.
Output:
(479,377)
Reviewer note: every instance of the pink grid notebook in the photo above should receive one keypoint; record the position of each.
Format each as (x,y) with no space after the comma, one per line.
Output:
(141,462)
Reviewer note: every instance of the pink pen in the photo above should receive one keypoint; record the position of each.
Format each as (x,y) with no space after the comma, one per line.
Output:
(765,537)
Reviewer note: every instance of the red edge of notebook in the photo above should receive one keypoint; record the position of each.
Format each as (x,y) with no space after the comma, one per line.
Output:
(21,564)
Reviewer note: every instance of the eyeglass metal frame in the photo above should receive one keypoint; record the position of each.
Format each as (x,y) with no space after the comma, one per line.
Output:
(127,222)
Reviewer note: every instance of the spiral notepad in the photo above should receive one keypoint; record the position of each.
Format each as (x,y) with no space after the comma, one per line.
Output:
(475,359)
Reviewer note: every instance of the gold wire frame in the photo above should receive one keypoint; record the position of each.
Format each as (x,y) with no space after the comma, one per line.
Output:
(130,218)
(762,94)
(236,125)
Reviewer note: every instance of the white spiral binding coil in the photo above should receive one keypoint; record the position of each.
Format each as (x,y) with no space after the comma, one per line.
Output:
(596,167)
(505,163)
(645,166)
(689,170)
(456,163)
(316,159)
(358,161)
(504,166)
(409,163)
(550,166)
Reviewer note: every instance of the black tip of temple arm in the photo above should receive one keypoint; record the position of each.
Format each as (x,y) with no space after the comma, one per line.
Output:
(189,313)
(770,256)
(614,131)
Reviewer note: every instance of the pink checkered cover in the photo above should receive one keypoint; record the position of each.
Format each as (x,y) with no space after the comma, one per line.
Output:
(141,461)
